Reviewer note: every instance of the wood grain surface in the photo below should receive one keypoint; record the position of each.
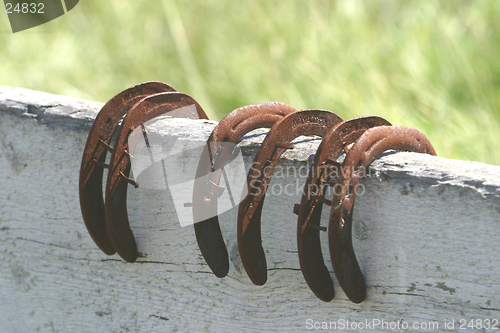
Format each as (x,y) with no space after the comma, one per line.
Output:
(425,234)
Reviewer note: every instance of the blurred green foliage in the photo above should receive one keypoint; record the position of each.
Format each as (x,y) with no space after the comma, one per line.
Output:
(432,65)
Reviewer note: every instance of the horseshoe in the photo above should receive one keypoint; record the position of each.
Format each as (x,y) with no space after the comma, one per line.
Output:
(206,187)
(306,122)
(325,165)
(94,157)
(371,144)
(117,222)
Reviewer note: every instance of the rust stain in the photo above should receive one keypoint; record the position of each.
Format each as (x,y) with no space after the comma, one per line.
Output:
(442,285)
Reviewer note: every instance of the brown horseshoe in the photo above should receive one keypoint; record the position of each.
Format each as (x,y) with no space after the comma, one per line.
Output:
(117,223)
(325,165)
(94,157)
(206,189)
(306,122)
(372,143)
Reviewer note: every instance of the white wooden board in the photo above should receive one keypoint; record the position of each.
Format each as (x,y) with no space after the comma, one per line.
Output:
(425,234)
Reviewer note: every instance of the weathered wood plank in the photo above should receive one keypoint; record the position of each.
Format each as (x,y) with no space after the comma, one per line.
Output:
(426,235)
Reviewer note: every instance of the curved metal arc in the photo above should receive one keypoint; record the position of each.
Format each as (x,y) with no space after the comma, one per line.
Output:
(371,144)
(306,122)
(229,130)
(374,143)
(117,222)
(311,259)
(94,156)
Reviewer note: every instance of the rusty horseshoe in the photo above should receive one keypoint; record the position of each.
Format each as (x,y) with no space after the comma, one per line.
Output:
(372,143)
(94,158)
(206,187)
(306,122)
(325,165)
(117,222)
(362,139)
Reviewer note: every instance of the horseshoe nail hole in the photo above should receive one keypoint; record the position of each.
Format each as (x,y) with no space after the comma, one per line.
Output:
(108,120)
(350,190)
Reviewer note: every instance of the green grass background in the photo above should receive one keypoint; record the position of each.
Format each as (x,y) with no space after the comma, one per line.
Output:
(432,65)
